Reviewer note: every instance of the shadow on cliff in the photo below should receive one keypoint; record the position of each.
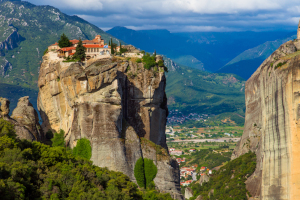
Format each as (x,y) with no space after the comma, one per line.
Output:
(131,106)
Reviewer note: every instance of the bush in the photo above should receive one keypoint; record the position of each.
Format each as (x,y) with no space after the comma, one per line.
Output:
(83,149)
(150,171)
(149,61)
(59,139)
(138,60)
(161,63)
(46,51)
(6,128)
(139,173)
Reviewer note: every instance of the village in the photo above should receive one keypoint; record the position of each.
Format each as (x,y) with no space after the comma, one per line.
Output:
(189,174)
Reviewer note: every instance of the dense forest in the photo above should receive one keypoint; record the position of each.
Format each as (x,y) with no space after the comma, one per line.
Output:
(32,170)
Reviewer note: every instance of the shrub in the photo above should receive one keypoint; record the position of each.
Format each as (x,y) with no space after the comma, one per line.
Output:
(58,140)
(139,173)
(150,172)
(83,149)
(149,61)
(138,60)
(46,51)
(161,63)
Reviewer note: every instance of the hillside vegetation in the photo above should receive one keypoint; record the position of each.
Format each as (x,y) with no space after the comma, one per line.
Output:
(229,182)
(32,170)
(194,91)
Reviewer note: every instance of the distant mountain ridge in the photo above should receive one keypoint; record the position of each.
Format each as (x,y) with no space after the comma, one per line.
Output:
(247,62)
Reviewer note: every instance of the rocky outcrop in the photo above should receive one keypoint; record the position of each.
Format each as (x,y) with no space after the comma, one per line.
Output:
(188,193)
(272,125)
(24,119)
(115,104)
(4,109)
(26,115)
(204,178)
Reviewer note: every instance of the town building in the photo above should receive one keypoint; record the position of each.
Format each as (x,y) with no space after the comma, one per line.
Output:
(192,150)
(176,153)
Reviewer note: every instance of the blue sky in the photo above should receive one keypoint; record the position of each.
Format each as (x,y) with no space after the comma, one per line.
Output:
(184,15)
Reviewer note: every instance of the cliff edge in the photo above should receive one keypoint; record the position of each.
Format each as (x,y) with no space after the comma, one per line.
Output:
(272,125)
(118,105)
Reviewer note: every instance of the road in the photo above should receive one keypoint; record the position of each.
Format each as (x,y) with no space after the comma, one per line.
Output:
(209,140)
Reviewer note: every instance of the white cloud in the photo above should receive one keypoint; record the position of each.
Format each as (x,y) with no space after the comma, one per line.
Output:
(178,15)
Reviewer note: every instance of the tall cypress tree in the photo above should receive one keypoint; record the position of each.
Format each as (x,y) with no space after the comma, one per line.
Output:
(80,51)
(64,41)
(112,46)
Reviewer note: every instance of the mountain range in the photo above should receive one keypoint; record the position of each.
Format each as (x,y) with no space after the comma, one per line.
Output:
(27,30)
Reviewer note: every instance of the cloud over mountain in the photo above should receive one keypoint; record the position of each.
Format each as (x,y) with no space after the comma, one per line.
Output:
(184,15)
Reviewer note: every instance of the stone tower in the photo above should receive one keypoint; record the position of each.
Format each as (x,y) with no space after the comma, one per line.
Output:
(298,31)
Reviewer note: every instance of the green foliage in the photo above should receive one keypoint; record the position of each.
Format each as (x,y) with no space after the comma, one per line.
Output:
(226,186)
(279,64)
(112,46)
(161,63)
(150,171)
(145,171)
(6,128)
(64,41)
(149,61)
(46,51)
(83,149)
(138,60)
(38,171)
(139,173)
(80,51)
(58,139)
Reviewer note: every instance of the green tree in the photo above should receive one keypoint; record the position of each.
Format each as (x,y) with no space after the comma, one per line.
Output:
(6,128)
(139,173)
(150,171)
(80,51)
(83,149)
(112,46)
(59,139)
(64,41)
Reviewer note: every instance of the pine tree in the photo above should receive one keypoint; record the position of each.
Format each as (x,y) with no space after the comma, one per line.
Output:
(64,41)
(80,51)
(112,47)
(154,53)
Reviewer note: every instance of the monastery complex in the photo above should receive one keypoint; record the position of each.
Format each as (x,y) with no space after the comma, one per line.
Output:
(93,48)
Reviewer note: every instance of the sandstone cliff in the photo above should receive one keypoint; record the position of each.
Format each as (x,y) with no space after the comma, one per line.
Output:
(24,118)
(109,102)
(272,125)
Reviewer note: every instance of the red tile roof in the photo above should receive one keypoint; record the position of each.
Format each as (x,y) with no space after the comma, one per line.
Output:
(93,46)
(74,41)
(68,48)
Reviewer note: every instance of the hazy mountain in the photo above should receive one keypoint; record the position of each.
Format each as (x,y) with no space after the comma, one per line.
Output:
(247,62)
(208,50)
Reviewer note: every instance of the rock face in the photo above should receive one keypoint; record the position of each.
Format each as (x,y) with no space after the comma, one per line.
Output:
(203,178)
(25,119)
(188,193)
(115,104)
(272,125)
(26,115)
